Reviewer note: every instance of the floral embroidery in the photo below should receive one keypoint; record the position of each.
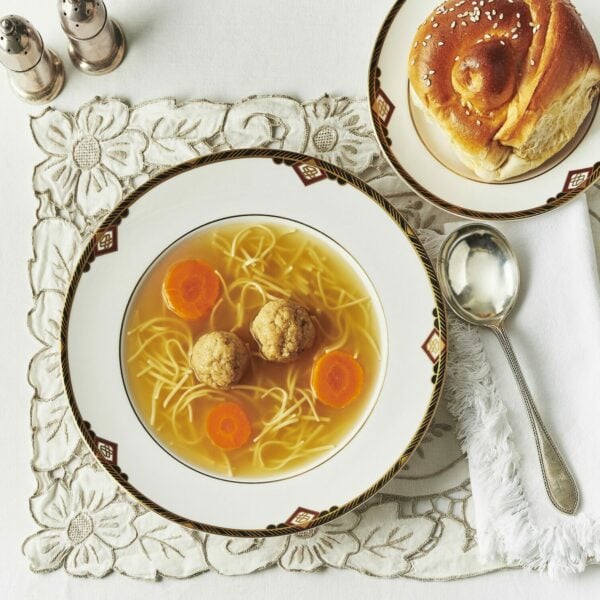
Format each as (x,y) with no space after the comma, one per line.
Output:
(89,153)
(390,541)
(339,135)
(161,549)
(330,544)
(84,524)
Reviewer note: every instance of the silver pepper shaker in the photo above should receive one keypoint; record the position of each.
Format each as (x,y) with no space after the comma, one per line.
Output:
(96,42)
(35,72)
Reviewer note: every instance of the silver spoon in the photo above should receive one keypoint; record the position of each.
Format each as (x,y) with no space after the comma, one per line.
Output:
(479,276)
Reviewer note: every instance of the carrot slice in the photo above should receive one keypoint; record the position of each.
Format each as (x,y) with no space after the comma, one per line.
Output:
(228,426)
(190,289)
(337,379)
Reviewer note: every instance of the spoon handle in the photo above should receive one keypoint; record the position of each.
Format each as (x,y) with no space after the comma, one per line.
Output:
(560,485)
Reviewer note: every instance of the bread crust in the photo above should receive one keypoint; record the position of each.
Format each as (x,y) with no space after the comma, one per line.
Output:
(489,70)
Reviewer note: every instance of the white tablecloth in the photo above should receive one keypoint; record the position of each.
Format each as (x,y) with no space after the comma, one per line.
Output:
(181,48)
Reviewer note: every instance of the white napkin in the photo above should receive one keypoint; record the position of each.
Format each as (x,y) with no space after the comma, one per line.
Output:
(555,331)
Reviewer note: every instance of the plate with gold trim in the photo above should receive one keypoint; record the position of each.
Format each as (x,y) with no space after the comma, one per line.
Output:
(145,407)
(421,152)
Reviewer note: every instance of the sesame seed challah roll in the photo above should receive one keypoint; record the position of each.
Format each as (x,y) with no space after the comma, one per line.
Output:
(510,81)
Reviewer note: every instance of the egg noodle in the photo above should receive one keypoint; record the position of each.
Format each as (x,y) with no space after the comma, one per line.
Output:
(290,428)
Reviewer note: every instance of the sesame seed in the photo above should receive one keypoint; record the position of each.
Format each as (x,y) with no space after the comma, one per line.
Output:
(518,15)
(478,122)
(428,83)
(440,43)
(424,44)
(487,36)
(428,36)
(495,26)
(453,25)
(532,62)
(503,42)
(463,24)
(456,58)
(436,25)
(468,113)
(514,37)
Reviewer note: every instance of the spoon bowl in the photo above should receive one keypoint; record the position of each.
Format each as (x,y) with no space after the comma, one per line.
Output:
(479,274)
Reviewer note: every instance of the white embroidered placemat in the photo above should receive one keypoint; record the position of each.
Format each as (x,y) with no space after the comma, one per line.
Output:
(420,526)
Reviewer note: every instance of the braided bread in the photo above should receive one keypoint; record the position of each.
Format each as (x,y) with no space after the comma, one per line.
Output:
(510,81)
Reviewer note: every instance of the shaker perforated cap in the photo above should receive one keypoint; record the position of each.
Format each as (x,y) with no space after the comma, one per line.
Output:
(96,42)
(21,45)
(82,19)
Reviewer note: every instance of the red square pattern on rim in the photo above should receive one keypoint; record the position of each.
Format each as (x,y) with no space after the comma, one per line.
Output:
(434,345)
(107,449)
(576,179)
(302,517)
(383,107)
(106,241)
(309,173)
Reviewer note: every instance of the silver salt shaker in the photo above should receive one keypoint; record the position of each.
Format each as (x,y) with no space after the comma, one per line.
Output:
(96,42)
(35,72)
